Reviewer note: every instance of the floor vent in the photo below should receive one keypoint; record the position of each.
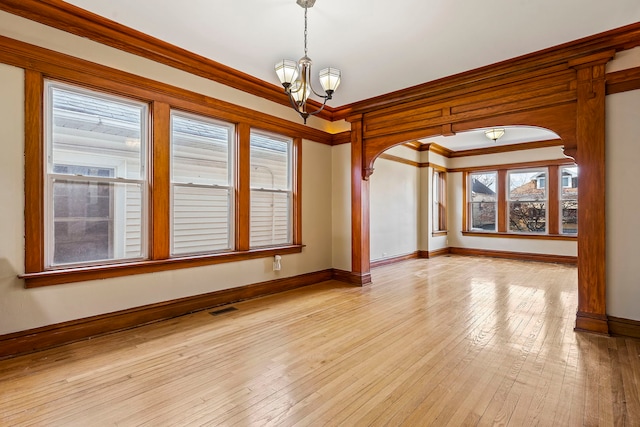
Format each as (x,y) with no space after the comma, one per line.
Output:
(223,311)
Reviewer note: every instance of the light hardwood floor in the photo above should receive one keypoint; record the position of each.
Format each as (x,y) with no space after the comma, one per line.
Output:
(446,341)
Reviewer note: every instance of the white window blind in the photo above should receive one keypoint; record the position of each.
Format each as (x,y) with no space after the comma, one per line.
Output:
(271,190)
(202,194)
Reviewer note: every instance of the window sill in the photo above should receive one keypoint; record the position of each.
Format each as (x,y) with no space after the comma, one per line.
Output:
(521,235)
(439,233)
(80,274)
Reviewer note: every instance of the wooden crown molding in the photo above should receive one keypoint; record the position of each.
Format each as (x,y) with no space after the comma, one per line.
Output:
(622,81)
(617,39)
(67,17)
(72,19)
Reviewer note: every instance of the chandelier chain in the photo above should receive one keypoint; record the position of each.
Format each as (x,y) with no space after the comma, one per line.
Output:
(305,31)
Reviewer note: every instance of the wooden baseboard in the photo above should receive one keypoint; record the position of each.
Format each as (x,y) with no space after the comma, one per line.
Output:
(593,323)
(522,256)
(64,333)
(624,327)
(351,277)
(393,260)
(431,254)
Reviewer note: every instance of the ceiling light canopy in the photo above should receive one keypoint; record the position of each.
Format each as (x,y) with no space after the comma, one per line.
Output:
(494,134)
(296,76)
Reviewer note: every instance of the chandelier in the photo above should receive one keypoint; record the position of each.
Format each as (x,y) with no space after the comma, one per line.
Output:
(296,76)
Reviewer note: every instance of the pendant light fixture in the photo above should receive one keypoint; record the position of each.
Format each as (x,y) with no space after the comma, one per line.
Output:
(494,134)
(296,76)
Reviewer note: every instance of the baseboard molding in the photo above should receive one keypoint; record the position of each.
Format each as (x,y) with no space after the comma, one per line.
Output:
(432,254)
(592,323)
(76,330)
(624,327)
(522,256)
(393,260)
(352,278)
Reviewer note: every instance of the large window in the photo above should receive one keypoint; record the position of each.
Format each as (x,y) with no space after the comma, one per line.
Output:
(483,201)
(271,195)
(121,182)
(527,201)
(534,199)
(96,177)
(202,194)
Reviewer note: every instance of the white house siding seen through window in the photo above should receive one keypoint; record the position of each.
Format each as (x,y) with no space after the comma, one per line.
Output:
(202,196)
(483,201)
(95,192)
(271,190)
(569,200)
(527,201)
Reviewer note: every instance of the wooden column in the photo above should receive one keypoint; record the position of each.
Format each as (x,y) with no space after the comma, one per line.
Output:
(590,156)
(360,262)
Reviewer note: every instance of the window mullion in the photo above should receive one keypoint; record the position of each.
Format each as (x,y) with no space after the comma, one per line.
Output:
(501,190)
(160,214)
(243,182)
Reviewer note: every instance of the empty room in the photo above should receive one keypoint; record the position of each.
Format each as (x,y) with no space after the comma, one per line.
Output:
(303,212)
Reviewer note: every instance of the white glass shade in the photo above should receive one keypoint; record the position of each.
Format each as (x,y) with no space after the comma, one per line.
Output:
(300,93)
(330,79)
(494,134)
(287,71)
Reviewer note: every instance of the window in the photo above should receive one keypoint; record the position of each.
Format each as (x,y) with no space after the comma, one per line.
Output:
(146,179)
(439,201)
(271,190)
(527,201)
(483,201)
(201,176)
(569,200)
(95,192)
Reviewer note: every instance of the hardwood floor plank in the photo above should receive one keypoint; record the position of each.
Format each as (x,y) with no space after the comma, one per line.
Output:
(444,341)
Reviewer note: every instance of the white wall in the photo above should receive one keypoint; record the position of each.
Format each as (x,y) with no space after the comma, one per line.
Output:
(341,206)
(455,208)
(623,205)
(22,309)
(394,201)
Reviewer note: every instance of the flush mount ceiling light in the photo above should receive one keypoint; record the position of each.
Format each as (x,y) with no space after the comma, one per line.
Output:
(296,76)
(494,134)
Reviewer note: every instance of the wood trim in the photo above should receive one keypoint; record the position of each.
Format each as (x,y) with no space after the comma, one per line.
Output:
(435,253)
(64,333)
(34,175)
(341,138)
(620,327)
(465,202)
(501,190)
(243,186)
(439,233)
(522,256)
(621,38)
(351,277)
(414,145)
(623,81)
(160,191)
(393,260)
(508,235)
(553,199)
(434,167)
(520,165)
(360,230)
(507,148)
(72,19)
(297,191)
(592,323)
(59,66)
(437,149)
(71,275)
(399,160)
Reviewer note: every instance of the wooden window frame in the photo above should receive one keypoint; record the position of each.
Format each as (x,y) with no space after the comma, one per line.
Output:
(553,200)
(439,186)
(161,101)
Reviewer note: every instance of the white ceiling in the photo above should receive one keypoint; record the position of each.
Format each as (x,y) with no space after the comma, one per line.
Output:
(380,45)
(477,139)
